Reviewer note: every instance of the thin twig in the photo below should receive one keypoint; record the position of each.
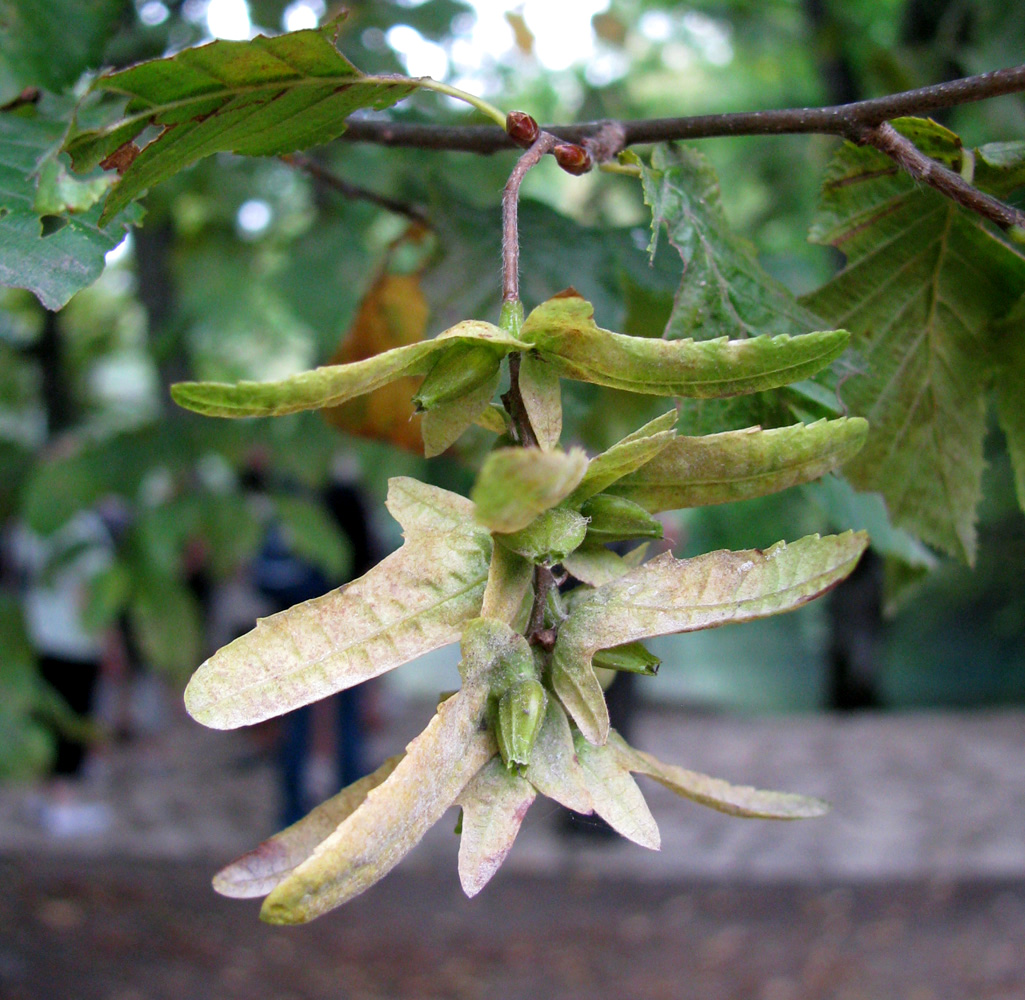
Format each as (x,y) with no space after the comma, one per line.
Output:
(536,632)
(510,207)
(845,120)
(346,188)
(902,151)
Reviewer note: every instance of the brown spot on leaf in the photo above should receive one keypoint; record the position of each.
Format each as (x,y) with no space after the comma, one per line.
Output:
(122,158)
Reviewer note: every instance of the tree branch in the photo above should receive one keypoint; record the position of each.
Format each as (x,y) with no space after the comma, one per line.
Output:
(846,120)
(861,121)
(905,154)
(321,174)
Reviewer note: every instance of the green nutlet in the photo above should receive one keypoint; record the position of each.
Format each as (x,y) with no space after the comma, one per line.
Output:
(457,372)
(614,519)
(521,710)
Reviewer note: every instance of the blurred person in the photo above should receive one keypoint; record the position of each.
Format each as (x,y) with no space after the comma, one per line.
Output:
(54,573)
(285,579)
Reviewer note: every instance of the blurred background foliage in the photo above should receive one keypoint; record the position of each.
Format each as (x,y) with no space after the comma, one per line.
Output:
(248,268)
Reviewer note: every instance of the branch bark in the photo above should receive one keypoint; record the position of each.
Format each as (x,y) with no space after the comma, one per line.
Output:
(845,120)
(860,121)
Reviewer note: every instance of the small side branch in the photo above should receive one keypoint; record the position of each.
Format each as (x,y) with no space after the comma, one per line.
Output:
(510,211)
(902,151)
(322,175)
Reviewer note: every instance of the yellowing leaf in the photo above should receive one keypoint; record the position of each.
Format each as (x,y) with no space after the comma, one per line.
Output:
(564,332)
(508,594)
(413,601)
(736,800)
(669,595)
(392,314)
(331,384)
(394,816)
(578,688)
(634,451)
(494,804)
(539,387)
(554,769)
(259,870)
(517,484)
(615,794)
(737,465)
(444,424)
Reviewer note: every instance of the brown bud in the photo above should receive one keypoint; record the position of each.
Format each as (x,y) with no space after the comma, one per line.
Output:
(572,158)
(522,128)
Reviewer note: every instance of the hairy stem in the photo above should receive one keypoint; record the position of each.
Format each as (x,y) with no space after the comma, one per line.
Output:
(510,215)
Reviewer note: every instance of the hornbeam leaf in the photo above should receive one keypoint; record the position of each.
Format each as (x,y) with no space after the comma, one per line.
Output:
(554,768)
(615,794)
(331,384)
(411,602)
(494,804)
(1009,381)
(549,538)
(539,388)
(508,594)
(736,800)
(579,690)
(262,97)
(57,265)
(517,484)
(737,465)
(724,291)
(445,423)
(258,871)
(394,816)
(669,595)
(595,565)
(564,332)
(624,457)
(923,282)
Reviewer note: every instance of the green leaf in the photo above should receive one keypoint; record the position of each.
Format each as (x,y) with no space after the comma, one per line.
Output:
(411,602)
(738,465)
(1010,349)
(631,657)
(624,457)
(549,538)
(444,424)
(508,594)
(494,804)
(51,44)
(595,565)
(575,682)
(542,399)
(71,256)
(735,800)
(613,518)
(669,595)
(262,97)
(314,535)
(394,816)
(615,794)
(261,869)
(724,292)
(167,623)
(923,281)
(554,768)
(564,332)
(517,484)
(331,384)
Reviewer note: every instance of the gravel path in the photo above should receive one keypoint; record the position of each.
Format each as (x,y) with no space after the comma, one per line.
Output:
(913,888)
